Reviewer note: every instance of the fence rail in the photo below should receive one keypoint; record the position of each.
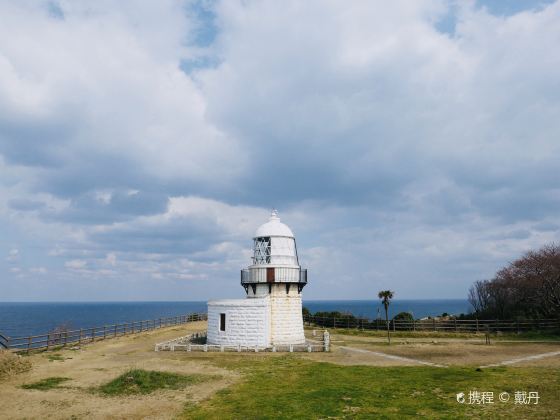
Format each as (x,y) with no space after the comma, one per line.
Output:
(86,335)
(4,342)
(455,325)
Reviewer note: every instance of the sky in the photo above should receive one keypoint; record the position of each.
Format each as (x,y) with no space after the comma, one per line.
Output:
(411,146)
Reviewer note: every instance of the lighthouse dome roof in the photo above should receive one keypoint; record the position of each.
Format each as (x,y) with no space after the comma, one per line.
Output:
(274,227)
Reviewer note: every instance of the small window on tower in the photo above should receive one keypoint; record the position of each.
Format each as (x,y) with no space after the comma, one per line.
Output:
(222,322)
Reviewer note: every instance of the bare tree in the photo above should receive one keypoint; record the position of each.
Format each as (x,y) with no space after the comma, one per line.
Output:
(527,287)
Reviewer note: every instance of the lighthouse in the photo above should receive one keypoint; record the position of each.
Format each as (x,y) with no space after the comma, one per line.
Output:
(270,315)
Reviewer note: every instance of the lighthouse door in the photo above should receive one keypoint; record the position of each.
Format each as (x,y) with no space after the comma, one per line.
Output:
(270,275)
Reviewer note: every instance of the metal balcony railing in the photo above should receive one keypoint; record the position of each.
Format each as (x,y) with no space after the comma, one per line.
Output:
(247,277)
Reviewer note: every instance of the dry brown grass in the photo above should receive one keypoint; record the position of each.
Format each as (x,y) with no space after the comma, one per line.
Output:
(446,351)
(12,364)
(96,364)
(91,366)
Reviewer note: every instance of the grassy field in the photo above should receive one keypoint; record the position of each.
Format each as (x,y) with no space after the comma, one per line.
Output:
(290,387)
(362,377)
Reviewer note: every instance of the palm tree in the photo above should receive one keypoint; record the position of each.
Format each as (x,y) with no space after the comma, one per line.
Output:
(386,296)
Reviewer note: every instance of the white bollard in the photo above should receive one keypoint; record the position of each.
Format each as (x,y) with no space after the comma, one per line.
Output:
(222,348)
(256,349)
(206,347)
(291,348)
(189,347)
(274,349)
(309,349)
(239,348)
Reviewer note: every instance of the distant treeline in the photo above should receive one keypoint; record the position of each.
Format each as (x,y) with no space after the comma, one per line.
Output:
(528,288)
(326,319)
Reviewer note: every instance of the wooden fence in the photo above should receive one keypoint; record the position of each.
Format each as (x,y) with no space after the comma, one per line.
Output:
(451,325)
(86,335)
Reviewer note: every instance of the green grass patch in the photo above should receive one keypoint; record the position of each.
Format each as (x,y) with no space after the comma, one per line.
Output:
(140,381)
(288,387)
(55,357)
(46,384)
(527,335)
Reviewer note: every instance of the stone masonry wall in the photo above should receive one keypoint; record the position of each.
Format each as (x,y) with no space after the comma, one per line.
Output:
(286,317)
(247,322)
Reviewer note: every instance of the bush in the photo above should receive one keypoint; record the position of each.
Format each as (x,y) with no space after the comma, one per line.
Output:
(12,364)
(403,316)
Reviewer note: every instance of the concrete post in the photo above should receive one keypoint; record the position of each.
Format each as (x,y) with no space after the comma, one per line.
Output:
(326,341)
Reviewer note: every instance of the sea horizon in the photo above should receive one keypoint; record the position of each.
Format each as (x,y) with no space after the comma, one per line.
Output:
(21,318)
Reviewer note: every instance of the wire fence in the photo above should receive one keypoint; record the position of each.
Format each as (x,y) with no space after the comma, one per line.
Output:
(63,337)
(451,325)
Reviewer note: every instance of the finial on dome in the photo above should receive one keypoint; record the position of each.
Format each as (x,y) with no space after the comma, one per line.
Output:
(274,215)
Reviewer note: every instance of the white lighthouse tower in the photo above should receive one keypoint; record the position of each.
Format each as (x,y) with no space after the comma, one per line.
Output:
(271,313)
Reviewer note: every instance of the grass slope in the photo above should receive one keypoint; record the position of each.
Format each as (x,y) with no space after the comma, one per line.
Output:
(140,381)
(288,387)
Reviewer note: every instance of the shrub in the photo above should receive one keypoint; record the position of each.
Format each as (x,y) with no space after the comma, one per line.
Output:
(12,364)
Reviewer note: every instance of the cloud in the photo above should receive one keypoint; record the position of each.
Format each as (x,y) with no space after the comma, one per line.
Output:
(75,264)
(406,143)
(13,255)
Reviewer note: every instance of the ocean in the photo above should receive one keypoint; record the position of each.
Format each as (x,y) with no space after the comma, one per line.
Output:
(22,319)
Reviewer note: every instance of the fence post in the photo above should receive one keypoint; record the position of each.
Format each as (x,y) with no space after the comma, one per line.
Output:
(115,331)
(28,343)
(48,340)
(93,334)
(477,325)
(394,325)
(65,337)
(455,324)
(80,339)
(413,324)
(434,323)
(104,332)
(348,323)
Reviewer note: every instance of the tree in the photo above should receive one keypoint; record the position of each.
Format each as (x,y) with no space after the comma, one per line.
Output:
(386,296)
(529,287)
(403,316)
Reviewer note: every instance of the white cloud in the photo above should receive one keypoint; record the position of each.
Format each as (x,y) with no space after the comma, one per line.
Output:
(13,255)
(76,264)
(396,152)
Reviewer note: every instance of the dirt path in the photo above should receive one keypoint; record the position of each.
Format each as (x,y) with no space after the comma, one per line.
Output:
(393,357)
(524,359)
(374,351)
(100,362)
